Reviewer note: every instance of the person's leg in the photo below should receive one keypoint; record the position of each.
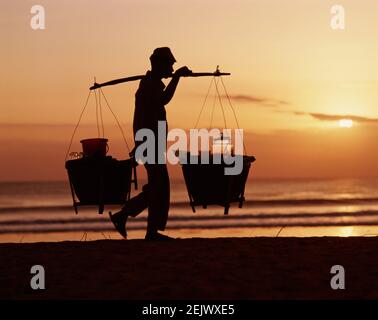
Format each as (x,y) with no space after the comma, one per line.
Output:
(132,208)
(158,198)
(135,205)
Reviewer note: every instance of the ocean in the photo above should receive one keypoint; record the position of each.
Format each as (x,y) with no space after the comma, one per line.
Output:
(42,211)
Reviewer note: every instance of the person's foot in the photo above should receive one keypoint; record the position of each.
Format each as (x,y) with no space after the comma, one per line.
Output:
(156,236)
(119,220)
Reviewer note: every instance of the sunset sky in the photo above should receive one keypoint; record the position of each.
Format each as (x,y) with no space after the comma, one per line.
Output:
(293,78)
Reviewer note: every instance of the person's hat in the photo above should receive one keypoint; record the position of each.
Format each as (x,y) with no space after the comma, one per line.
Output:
(164,54)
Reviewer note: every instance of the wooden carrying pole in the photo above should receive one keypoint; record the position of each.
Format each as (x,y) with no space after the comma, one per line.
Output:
(217,73)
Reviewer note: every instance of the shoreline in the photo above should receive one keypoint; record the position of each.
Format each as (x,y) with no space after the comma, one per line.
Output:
(188,233)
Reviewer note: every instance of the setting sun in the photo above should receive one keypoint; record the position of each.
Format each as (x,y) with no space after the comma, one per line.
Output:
(346,123)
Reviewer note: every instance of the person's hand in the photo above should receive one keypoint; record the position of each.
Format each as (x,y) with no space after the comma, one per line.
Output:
(183,72)
(95,86)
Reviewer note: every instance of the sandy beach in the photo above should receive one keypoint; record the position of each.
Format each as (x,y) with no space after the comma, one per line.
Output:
(198,268)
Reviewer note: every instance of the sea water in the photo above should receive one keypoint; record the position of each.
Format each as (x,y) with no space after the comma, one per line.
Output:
(272,207)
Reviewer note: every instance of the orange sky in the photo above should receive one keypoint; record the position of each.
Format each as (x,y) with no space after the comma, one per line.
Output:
(292,78)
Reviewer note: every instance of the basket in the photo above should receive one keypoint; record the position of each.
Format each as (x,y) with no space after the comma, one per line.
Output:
(207,184)
(100,181)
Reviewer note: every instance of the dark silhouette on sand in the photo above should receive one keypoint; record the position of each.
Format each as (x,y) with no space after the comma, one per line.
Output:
(150,99)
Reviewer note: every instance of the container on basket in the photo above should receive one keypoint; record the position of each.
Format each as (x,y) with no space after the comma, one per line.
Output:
(95,147)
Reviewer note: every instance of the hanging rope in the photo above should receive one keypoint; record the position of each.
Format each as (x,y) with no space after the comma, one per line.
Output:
(221,105)
(81,115)
(203,105)
(119,125)
(233,111)
(212,110)
(101,119)
(97,123)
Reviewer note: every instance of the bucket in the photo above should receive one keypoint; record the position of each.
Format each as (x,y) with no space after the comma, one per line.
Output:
(96,147)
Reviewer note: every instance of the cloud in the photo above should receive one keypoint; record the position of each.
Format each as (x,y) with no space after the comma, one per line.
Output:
(266,102)
(332,117)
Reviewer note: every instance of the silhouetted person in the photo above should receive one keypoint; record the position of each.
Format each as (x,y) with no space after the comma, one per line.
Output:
(150,99)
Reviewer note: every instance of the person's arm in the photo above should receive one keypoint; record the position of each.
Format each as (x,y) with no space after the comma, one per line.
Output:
(171,87)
